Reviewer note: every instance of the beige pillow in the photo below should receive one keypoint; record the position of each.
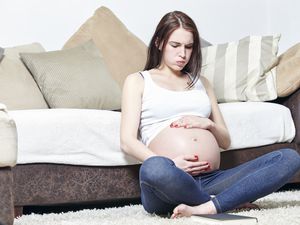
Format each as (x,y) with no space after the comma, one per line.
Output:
(242,70)
(122,51)
(74,78)
(18,89)
(288,71)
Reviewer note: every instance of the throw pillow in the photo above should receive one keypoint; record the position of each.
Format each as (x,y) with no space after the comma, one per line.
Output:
(122,51)
(204,43)
(18,89)
(74,78)
(242,70)
(1,53)
(288,71)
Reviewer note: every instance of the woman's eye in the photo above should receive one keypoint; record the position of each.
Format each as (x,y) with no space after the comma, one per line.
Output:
(174,46)
(188,47)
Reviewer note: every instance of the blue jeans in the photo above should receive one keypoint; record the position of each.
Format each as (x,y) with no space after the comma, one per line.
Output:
(164,186)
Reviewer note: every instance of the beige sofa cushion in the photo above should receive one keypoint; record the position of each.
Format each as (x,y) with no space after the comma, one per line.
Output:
(288,71)
(74,78)
(18,89)
(123,52)
(8,139)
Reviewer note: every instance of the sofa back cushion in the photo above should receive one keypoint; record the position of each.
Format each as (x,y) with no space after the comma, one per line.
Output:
(74,78)
(288,71)
(122,51)
(18,89)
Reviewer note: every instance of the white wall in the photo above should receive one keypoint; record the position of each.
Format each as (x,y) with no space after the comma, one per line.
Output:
(52,22)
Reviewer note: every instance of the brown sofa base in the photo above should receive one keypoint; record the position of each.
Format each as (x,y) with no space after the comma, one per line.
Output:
(6,199)
(49,184)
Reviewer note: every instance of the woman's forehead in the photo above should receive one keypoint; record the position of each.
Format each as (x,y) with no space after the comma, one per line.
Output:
(182,35)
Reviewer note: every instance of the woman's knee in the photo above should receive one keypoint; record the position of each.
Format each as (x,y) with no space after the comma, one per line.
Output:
(291,155)
(155,168)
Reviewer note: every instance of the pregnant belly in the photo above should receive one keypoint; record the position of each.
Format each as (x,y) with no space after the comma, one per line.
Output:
(172,142)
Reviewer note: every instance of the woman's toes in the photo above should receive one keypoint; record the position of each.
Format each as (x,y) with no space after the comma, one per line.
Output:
(182,210)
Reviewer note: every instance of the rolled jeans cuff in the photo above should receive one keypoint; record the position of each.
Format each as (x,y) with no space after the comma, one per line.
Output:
(217,204)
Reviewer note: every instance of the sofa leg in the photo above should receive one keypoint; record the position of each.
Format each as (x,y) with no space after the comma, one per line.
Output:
(18,211)
(6,196)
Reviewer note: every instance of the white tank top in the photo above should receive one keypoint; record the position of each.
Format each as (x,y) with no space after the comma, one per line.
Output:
(161,106)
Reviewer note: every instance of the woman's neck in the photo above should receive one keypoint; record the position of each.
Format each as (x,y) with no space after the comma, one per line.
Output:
(170,72)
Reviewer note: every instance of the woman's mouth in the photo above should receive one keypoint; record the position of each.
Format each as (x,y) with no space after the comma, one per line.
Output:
(180,63)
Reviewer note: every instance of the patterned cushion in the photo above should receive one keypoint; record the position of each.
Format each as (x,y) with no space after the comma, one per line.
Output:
(74,78)
(243,70)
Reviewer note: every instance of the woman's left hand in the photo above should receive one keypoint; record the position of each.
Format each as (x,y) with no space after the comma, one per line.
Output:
(193,122)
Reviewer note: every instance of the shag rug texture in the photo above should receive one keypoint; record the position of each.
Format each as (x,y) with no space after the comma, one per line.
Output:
(280,208)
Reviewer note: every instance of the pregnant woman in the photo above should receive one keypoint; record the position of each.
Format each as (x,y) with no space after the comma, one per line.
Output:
(172,123)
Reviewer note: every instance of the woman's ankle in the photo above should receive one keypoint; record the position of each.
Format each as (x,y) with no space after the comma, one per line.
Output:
(205,208)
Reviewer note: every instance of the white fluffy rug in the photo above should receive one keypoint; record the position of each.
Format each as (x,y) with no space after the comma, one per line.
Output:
(276,209)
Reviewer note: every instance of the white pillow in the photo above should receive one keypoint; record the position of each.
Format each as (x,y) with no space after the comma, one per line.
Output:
(241,70)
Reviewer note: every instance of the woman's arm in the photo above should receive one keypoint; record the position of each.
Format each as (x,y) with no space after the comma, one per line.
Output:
(130,118)
(218,127)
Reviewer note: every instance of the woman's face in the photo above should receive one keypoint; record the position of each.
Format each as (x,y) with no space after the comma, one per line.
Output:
(178,49)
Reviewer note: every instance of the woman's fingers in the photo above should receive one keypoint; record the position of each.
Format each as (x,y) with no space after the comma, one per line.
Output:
(191,158)
(199,168)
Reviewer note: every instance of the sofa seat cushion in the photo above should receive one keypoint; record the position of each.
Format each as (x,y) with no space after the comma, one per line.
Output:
(8,139)
(70,136)
(92,137)
(253,124)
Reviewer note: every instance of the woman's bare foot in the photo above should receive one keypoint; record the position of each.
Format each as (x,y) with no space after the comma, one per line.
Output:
(185,210)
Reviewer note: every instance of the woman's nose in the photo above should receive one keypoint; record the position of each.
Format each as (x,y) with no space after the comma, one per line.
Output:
(182,53)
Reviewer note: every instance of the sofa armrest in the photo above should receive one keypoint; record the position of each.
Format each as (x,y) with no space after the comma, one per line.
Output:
(293,103)
(8,139)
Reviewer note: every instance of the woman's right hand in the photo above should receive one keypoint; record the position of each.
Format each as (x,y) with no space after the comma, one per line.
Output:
(191,165)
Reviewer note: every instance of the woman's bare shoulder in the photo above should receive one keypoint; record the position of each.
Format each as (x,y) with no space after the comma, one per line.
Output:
(134,80)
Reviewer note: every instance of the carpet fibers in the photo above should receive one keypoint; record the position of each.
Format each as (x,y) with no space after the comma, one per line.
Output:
(279,208)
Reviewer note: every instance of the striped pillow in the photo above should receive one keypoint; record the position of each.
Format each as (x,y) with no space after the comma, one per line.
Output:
(242,70)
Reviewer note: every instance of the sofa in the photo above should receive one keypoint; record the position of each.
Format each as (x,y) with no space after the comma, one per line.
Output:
(38,99)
